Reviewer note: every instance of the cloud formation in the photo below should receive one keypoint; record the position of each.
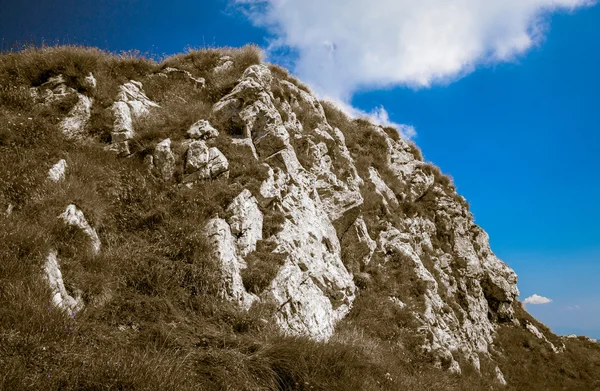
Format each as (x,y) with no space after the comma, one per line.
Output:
(340,46)
(537,299)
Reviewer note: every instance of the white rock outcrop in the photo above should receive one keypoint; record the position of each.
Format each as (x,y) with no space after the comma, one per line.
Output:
(202,162)
(131,103)
(246,222)
(164,160)
(60,297)
(231,264)
(387,195)
(74,123)
(74,217)
(313,289)
(57,172)
(202,130)
(357,245)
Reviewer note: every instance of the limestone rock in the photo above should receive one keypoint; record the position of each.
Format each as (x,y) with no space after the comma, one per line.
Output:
(224,249)
(313,288)
(60,297)
(90,81)
(164,160)
(57,172)
(500,377)
(203,163)
(74,217)
(55,89)
(246,222)
(131,103)
(381,188)
(250,107)
(74,124)
(357,246)
(132,94)
(420,183)
(202,130)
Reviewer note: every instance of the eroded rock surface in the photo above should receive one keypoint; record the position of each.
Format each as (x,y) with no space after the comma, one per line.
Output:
(225,251)
(164,160)
(246,222)
(202,162)
(131,103)
(57,172)
(202,130)
(60,297)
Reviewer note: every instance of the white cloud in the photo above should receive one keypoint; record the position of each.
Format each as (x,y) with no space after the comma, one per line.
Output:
(537,299)
(340,46)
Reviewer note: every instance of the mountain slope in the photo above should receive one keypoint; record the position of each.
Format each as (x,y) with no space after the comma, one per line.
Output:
(207,223)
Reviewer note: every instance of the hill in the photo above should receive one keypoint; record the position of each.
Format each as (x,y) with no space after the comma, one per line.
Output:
(207,223)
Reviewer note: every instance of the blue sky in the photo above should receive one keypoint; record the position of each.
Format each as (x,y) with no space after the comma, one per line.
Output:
(512,113)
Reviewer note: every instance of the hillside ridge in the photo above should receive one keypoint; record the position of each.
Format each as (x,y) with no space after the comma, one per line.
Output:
(207,222)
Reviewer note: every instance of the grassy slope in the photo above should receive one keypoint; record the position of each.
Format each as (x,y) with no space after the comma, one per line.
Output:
(153,319)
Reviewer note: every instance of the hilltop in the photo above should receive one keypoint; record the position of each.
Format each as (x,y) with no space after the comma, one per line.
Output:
(205,222)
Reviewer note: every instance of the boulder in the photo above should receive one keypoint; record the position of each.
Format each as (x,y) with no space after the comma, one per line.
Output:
(202,130)
(164,160)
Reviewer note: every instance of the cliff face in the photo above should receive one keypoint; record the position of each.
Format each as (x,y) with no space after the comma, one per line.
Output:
(306,214)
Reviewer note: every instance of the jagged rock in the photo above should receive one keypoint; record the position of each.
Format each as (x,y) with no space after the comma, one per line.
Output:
(202,130)
(357,246)
(57,172)
(132,94)
(500,377)
(164,160)
(74,124)
(203,163)
(313,288)
(250,106)
(387,195)
(54,89)
(420,183)
(123,125)
(90,81)
(196,157)
(246,222)
(60,297)
(74,217)
(131,103)
(224,249)
(272,187)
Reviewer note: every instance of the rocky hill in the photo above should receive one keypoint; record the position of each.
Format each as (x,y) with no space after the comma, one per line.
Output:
(207,223)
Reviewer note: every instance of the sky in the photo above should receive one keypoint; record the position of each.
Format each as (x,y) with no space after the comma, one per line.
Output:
(503,95)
